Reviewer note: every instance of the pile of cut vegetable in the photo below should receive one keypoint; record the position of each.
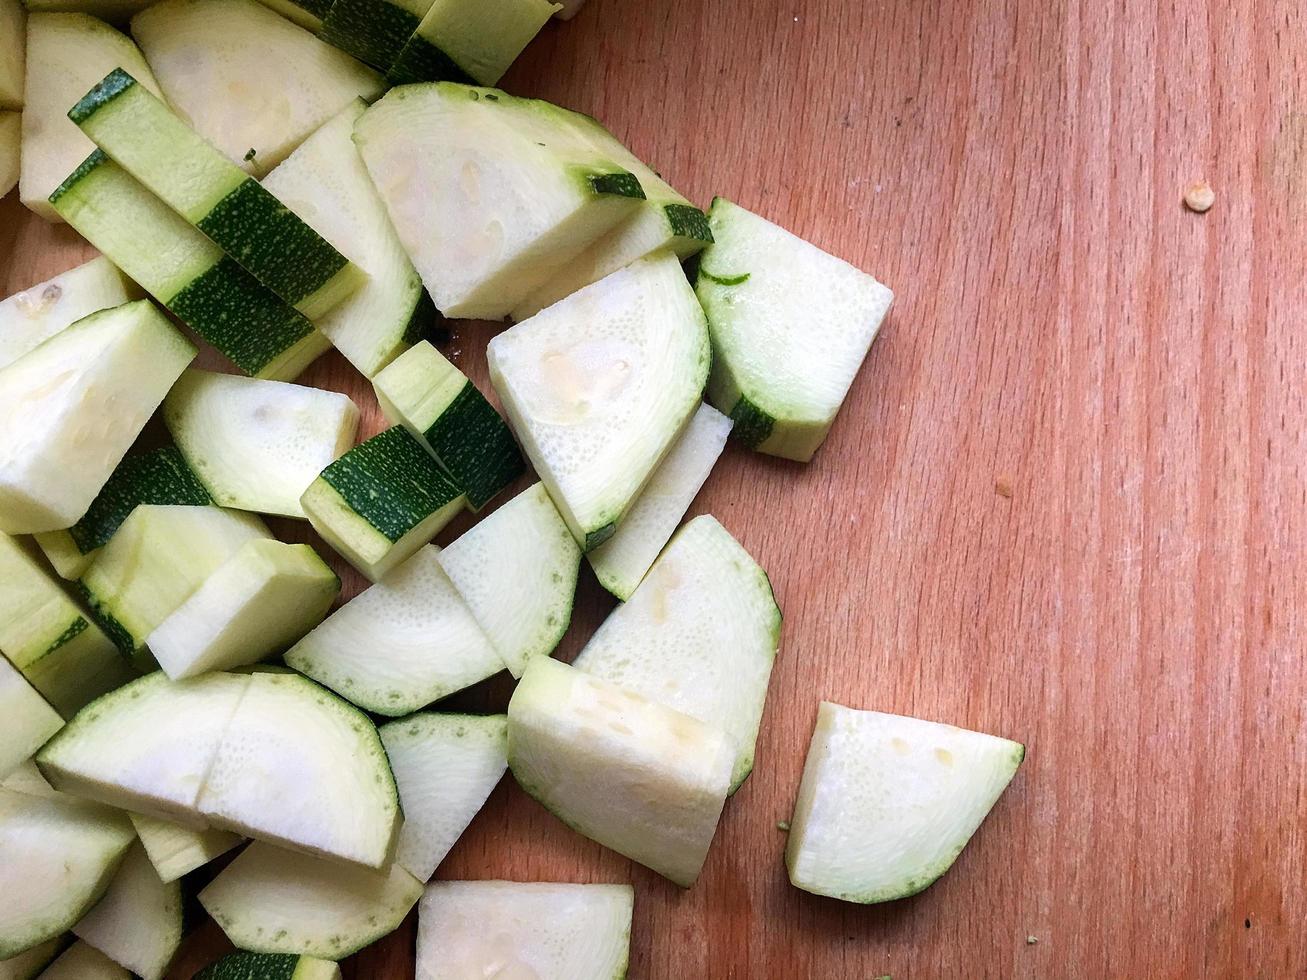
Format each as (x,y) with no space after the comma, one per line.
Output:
(177,683)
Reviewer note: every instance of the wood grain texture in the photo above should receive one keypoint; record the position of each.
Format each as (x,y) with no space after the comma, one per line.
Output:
(1066,501)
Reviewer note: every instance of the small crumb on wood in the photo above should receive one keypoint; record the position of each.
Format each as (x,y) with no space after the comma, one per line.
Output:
(1031,940)
(1199,197)
(783,825)
(1003,487)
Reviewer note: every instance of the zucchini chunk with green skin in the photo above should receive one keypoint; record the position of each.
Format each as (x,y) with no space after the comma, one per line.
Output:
(444,411)
(307,14)
(274,901)
(299,767)
(43,633)
(57,857)
(599,386)
(516,190)
(146,747)
(35,314)
(147,139)
(537,929)
(374,31)
(699,635)
(269,966)
(30,962)
(82,961)
(138,922)
(187,273)
(400,645)
(325,183)
(29,719)
(11,141)
(790,326)
(257,445)
(13,23)
(445,767)
(524,542)
(71,408)
(263,599)
(467,41)
(67,53)
(382,501)
(638,777)
(278,82)
(175,850)
(887,802)
(620,563)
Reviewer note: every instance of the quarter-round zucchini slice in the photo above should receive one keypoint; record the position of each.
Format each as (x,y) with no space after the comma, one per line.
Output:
(138,922)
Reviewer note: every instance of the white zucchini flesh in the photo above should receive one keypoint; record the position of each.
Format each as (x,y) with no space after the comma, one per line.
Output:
(263,599)
(299,767)
(274,901)
(82,961)
(634,775)
(29,720)
(887,802)
(175,850)
(29,963)
(12,53)
(401,644)
(138,922)
(56,860)
(599,386)
(540,930)
(325,183)
(620,563)
(278,82)
(254,444)
(11,141)
(525,543)
(27,779)
(67,53)
(39,312)
(445,767)
(243,965)
(71,408)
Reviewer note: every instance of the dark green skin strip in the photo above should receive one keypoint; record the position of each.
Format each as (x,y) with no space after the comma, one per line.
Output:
(251,966)
(423,320)
(688,222)
(96,159)
(318,8)
(724,280)
(271,241)
(752,424)
(105,91)
(116,631)
(78,626)
(594,539)
(391,482)
(158,477)
(620,184)
(374,31)
(476,446)
(422,61)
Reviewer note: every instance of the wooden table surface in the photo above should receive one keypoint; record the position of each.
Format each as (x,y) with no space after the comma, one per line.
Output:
(1065,502)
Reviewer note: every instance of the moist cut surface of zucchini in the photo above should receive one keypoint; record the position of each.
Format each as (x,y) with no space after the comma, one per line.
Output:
(37,313)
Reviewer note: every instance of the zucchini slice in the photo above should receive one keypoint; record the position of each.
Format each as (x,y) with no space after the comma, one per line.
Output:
(13,22)
(445,412)
(260,601)
(790,326)
(382,501)
(187,273)
(299,767)
(138,922)
(269,966)
(325,183)
(66,55)
(257,445)
(526,543)
(638,777)
(516,191)
(445,767)
(459,41)
(57,857)
(82,961)
(35,314)
(374,31)
(699,635)
(27,964)
(11,141)
(71,408)
(175,850)
(278,82)
(274,901)
(29,719)
(536,929)
(599,386)
(620,563)
(400,645)
(887,802)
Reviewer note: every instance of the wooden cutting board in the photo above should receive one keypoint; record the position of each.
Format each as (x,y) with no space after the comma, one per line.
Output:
(1066,501)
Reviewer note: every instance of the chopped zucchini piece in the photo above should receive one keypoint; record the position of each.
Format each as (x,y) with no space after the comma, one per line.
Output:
(257,445)
(445,767)
(374,31)
(620,563)
(445,412)
(13,23)
(307,14)
(70,409)
(29,719)
(516,570)
(599,386)
(11,141)
(175,850)
(325,183)
(278,82)
(382,501)
(467,41)
(30,962)
(138,922)
(259,602)
(82,961)
(516,192)
(790,327)
(274,901)
(887,802)
(537,929)
(405,642)
(269,966)
(33,315)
